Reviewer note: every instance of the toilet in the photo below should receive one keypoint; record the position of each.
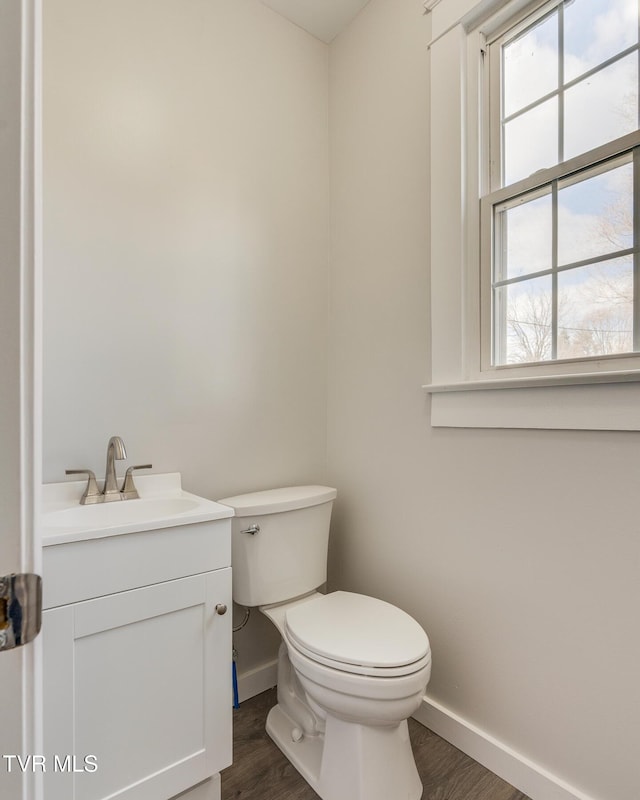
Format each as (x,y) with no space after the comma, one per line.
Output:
(351,668)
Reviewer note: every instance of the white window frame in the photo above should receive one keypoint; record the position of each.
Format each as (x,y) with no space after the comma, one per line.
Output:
(601,393)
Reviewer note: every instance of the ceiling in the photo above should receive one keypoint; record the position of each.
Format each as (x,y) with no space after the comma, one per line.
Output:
(321,18)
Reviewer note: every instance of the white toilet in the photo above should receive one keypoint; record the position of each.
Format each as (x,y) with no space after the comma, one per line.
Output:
(351,668)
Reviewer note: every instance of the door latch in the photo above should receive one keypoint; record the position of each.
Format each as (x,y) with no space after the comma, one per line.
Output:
(20,609)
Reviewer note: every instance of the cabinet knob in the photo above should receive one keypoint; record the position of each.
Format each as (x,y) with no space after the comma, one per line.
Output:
(221,609)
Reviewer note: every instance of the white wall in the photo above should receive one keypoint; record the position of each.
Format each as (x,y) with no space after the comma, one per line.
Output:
(517,550)
(185,248)
(185,240)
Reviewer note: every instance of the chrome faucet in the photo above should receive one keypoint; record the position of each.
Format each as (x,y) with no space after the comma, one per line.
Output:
(115,451)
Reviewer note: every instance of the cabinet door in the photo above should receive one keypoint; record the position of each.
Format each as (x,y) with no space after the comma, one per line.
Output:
(137,691)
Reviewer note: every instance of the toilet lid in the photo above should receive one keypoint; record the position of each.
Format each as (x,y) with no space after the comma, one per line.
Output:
(354,629)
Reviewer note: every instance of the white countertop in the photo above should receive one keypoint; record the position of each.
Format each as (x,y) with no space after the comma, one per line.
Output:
(162,504)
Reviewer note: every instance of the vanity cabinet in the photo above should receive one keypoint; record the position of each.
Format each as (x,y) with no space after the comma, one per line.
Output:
(137,664)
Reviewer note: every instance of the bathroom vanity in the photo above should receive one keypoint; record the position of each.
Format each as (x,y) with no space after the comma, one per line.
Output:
(137,644)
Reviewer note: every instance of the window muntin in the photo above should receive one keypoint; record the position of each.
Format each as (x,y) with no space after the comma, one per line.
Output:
(595,31)
(564,271)
(571,76)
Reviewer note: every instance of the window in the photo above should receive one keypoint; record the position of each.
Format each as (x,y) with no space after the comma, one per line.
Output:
(560,219)
(535,214)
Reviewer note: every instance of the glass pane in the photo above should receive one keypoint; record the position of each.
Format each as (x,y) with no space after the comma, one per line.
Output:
(595,215)
(531,141)
(523,316)
(530,65)
(595,309)
(525,232)
(602,107)
(595,30)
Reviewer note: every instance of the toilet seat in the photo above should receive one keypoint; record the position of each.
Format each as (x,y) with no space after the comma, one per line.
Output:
(357,634)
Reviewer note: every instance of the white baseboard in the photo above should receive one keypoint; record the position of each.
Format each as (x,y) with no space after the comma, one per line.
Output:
(257,680)
(513,767)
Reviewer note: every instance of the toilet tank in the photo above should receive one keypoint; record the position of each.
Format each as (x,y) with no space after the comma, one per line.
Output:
(286,554)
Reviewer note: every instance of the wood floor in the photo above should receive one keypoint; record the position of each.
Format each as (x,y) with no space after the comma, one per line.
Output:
(260,771)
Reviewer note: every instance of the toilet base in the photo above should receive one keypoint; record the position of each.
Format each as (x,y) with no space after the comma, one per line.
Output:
(350,761)
(305,754)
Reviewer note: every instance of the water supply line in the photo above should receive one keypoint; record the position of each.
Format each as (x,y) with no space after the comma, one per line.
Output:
(234,668)
(247,614)
(234,678)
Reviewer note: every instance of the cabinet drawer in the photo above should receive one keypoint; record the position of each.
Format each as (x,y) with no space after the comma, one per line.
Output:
(76,571)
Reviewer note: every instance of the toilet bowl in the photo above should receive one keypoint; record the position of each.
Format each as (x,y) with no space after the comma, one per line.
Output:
(351,668)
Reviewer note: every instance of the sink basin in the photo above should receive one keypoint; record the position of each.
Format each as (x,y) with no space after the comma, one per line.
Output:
(148,509)
(162,503)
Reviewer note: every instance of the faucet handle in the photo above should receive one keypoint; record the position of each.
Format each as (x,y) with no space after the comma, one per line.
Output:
(129,491)
(91,494)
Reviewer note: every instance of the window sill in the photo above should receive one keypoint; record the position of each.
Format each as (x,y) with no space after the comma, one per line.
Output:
(541,381)
(594,401)
(613,405)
